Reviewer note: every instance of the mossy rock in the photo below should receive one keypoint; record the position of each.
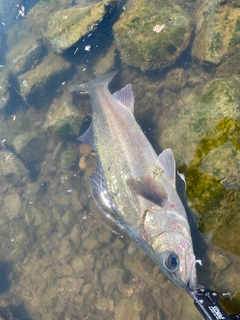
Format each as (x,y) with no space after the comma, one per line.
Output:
(140,45)
(68,159)
(219,207)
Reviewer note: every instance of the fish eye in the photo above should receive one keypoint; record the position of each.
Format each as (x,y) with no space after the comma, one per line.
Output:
(171,262)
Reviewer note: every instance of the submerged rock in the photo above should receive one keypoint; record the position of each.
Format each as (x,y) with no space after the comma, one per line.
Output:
(38,16)
(30,147)
(63,119)
(217,30)
(35,84)
(4,88)
(12,169)
(24,55)
(151,35)
(209,127)
(67,26)
(218,99)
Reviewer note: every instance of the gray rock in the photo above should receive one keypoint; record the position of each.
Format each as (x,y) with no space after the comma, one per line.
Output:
(67,26)
(140,45)
(223,163)
(4,87)
(34,84)
(218,99)
(39,15)
(63,119)
(216,36)
(12,205)
(25,55)
(11,168)
(30,147)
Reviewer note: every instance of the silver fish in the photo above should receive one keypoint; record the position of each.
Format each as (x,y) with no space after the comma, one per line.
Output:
(136,185)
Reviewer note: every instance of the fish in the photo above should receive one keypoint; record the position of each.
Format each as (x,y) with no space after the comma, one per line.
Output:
(135,186)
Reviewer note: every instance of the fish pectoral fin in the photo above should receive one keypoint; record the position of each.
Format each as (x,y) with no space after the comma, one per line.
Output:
(125,97)
(87,137)
(103,197)
(148,189)
(168,162)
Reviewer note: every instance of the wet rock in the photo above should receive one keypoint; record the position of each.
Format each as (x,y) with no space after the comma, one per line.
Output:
(223,163)
(209,127)
(35,84)
(83,3)
(4,88)
(202,112)
(216,35)
(63,119)
(12,205)
(220,261)
(90,243)
(30,147)
(140,45)
(11,168)
(81,264)
(111,275)
(129,309)
(67,26)
(37,17)
(25,55)
(68,159)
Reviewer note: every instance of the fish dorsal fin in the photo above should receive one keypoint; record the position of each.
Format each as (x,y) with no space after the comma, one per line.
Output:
(167,160)
(125,97)
(149,189)
(182,176)
(87,137)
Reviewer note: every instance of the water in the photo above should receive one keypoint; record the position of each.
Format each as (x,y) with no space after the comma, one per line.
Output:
(60,258)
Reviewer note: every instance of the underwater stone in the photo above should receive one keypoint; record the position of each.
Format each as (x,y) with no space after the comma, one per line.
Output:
(4,88)
(67,26)
(35,84)
(29,146)
(24,55)
(12,205)
(63,120)
(68,159)
(216,35)
(140,45)
(11,168)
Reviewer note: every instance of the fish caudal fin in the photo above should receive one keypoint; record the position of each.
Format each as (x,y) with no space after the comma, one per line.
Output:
(102,81)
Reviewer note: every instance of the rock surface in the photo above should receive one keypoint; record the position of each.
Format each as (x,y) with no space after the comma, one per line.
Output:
(66,27)
(140,45)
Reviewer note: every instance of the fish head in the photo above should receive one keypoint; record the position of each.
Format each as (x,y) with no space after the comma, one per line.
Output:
(175,256)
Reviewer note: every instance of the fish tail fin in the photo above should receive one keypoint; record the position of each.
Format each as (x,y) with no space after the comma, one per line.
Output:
(102,81)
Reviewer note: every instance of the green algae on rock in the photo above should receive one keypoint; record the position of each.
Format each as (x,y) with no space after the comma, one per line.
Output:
(217,32)
(140,45)
(68,26)
(218,99)
(209,128)
(218,206)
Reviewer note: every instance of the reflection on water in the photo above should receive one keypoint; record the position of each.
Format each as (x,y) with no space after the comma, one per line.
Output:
(60,257)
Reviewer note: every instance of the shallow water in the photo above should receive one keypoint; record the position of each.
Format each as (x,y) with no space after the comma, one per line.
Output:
(60,257)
